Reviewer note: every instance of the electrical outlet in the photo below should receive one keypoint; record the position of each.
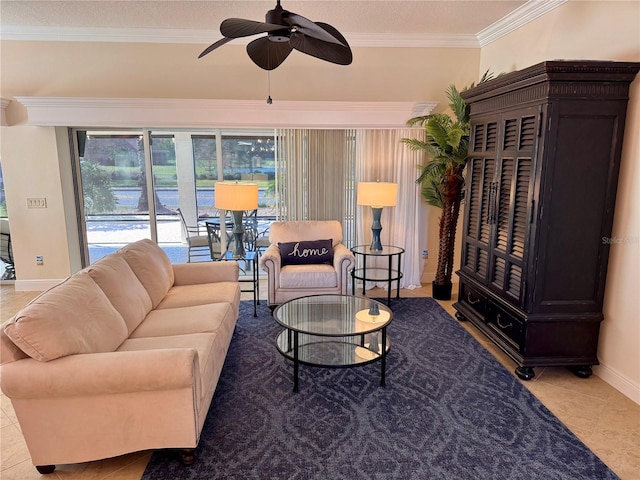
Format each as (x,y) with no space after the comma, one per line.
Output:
(36,203)
(39,260)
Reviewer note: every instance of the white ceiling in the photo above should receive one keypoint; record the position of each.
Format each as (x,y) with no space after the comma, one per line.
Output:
(362,22)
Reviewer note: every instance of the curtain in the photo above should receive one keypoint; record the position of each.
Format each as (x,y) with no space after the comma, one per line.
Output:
(315,176)
(380,155)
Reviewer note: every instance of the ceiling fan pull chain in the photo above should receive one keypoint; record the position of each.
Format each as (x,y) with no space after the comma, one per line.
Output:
(269,100)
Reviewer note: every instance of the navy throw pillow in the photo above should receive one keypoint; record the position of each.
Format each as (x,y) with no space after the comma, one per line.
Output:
(305,253)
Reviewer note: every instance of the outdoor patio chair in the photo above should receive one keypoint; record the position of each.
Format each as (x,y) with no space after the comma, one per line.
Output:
(214,239)
(6,251)
(198,244)
(255,239)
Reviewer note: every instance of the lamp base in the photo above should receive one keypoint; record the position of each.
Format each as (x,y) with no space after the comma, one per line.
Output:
(376,228)
(238,235)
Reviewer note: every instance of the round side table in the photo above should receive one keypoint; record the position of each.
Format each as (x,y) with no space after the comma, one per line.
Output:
(391,272)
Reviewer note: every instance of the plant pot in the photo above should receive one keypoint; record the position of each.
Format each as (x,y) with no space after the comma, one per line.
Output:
(441,292)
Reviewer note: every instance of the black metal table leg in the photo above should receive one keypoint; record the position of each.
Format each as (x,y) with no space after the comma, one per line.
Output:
(399,275)
(295,360)
(364,276)
(255,286)
(389,275)
(383,360)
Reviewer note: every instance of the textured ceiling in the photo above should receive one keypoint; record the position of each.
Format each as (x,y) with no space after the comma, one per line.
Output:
(363,17)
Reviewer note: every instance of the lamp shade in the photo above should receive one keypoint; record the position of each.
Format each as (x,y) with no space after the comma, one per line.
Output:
(377,194)
(236,196)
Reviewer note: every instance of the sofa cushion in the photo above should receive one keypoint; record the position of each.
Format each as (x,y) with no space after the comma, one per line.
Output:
(152,267)
(123,289)
(200,294)
(73,317)
(306,252)
(308,276)
(193,319)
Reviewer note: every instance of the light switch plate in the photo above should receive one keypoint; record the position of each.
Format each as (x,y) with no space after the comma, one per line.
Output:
(36,203)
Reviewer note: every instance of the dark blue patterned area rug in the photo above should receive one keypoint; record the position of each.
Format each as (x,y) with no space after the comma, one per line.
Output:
(449,411)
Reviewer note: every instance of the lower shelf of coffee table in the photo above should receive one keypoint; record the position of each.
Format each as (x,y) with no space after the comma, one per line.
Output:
(332,351)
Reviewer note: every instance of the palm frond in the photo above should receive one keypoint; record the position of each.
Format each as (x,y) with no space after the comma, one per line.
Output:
(458,105)
(420,146)
(412,122)
(437,129)
(432,195)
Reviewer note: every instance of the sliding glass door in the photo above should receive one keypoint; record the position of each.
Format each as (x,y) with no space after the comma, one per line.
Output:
(114,189)
(138,184)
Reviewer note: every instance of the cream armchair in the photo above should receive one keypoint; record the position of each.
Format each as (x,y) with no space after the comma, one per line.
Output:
(305,258)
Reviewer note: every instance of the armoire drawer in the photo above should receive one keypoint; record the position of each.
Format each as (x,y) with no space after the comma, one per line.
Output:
(474,299)
(508,326)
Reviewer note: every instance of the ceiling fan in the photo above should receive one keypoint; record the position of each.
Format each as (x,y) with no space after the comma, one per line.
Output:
(285,31)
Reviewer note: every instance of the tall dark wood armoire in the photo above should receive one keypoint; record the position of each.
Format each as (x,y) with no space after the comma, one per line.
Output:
(542,174)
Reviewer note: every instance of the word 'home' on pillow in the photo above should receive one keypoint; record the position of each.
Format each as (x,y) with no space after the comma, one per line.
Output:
(306,252)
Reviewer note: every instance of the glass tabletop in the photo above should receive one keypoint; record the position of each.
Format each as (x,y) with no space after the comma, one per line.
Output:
(333,315)
(386,250)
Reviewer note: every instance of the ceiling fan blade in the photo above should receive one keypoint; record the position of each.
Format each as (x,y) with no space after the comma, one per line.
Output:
(309,28)
(330,52)
(267,54)
(213,46)
(334,32)
(239,27)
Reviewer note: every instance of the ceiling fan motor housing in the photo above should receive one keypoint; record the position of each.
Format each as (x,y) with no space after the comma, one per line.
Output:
(274,17)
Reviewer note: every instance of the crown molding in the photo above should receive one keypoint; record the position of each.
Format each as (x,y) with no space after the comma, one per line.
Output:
(207,113)
(528,12)
(4,103)
(184,36)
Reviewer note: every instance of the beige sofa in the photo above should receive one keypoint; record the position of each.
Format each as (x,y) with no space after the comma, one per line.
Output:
(288,281)
(123,356)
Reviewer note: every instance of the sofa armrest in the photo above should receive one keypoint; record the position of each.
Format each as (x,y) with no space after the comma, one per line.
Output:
(270,260)
(205,272)
(343,259)
(270,263)
(102,373)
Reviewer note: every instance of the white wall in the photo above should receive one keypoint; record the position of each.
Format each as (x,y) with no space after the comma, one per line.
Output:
(31,170)
(598,31)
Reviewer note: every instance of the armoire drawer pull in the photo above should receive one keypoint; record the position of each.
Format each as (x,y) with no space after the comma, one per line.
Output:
(471,300)
(499,322)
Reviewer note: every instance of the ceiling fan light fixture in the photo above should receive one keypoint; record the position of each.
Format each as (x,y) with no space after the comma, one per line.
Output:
(279,36)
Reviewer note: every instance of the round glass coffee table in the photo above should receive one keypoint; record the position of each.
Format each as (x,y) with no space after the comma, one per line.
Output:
(333,331)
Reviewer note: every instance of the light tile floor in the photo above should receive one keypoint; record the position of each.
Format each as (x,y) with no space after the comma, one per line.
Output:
(604,419)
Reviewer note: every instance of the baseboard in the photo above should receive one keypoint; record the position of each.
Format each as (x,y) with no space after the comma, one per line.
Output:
(35,285)
(618,381)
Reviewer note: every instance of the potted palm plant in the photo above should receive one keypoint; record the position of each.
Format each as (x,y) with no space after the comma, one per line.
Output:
(441,177)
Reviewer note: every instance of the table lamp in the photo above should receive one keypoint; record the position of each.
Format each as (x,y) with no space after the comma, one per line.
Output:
(236,197)
(377,195)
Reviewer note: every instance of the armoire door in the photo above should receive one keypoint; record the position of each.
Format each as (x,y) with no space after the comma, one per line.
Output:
(512,209)
(480,195)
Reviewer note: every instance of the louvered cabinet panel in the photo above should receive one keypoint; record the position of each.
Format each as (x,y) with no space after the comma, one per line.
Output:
(477,230)
(513,202)
(479,195)
(544,159)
